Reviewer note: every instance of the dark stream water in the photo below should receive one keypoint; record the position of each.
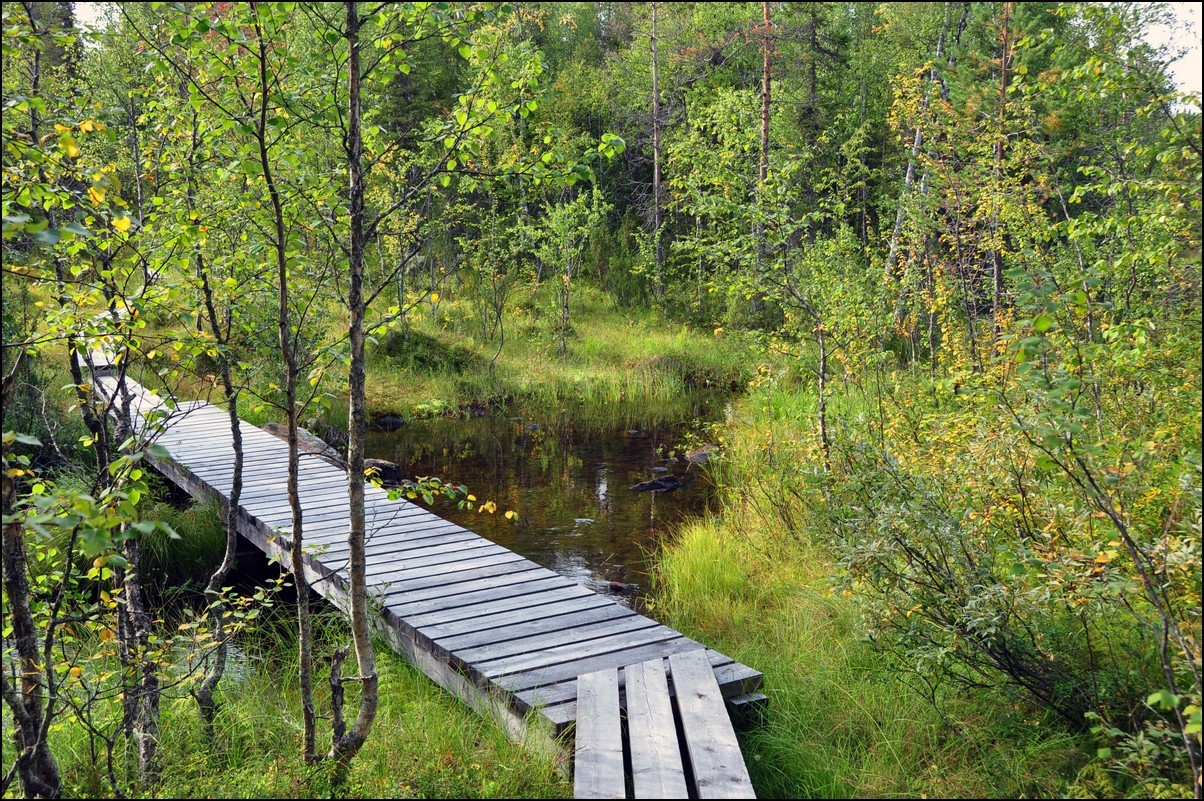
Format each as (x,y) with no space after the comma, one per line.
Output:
(577,514)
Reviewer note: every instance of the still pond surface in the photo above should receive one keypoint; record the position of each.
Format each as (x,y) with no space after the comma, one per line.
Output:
(577,514)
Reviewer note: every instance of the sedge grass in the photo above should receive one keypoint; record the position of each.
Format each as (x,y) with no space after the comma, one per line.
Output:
(841,722)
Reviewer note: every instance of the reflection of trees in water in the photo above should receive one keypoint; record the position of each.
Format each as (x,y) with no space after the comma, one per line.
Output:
(554,477)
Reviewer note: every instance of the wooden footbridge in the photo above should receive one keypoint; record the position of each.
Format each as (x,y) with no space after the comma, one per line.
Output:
(507,636)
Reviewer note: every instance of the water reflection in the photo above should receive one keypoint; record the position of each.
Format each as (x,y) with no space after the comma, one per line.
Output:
(577,515)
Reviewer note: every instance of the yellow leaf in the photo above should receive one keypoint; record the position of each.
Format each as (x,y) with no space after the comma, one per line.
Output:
(511,515)
(96,195)
(106,635)
(76,671)
(86,126)
(434,297)
(60,127)
(122,224)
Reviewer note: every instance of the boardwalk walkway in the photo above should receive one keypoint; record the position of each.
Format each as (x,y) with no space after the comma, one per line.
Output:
(504,634)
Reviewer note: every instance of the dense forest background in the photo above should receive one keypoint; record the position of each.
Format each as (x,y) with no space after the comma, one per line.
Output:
(946,255)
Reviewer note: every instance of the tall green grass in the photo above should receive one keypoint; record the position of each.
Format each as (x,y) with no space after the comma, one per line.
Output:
(622,365)
(841,721)
(424,743)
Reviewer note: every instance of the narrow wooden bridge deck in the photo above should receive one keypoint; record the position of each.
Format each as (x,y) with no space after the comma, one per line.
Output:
(503,633)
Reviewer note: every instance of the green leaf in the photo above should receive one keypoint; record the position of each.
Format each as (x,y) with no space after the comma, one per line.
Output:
(47,236)
(1163,699)
(1042,323)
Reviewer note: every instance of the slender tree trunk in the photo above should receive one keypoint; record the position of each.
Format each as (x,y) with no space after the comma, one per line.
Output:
(347,744)
(656,157)
(758,299)
(997,265)
(146,688)
(287,350)
(217,609)
(766,76)
(37,770)
(909,175)
(822,401)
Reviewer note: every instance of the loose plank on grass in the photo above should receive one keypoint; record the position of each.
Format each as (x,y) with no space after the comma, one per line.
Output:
(656,770)
(598,761)
(715,757)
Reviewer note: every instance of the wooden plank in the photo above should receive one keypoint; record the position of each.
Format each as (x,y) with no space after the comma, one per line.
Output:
(555,674)
(270,504)
(737,679)
(718,765)
(656,768)
(643,632)
(528,583)
(566,691)
(528,623)
(336,521)
(276,503)
(539,635)
(448,565)
(470,614)
(495,582)
(223,457)
(272,473)
(448,577)
(471,591)
(406,558)
(394,538)
(313,493)
(595,637)
(598,747)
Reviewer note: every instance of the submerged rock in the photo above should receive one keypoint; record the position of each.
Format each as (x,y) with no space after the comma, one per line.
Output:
(701,454)
(666,484)
(386,422)
(660,470)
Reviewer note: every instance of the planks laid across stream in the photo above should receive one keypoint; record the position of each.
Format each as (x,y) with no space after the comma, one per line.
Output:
(504,634)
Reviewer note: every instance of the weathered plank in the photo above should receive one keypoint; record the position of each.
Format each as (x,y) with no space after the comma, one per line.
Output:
(526,624)
(734,679)
(443,580)
(656,768)
(454,568)
(598,762)
(586,635)
(647,631)
(471,613)
(554,674)
(715,757)
(403,603)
